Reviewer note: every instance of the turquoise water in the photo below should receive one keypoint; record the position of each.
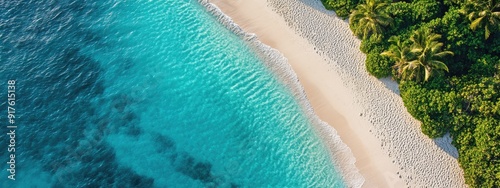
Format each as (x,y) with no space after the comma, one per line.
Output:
(150,94)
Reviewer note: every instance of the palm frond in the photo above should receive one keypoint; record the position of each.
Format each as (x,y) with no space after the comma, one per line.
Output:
(416,50)
(388,54)
(486,32)
(428,73)
(485,14)
(443,53)
(476,23)
(371,16)
(439,65)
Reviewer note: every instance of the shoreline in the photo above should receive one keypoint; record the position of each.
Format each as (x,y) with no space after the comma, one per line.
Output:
(278,64)
(368,116)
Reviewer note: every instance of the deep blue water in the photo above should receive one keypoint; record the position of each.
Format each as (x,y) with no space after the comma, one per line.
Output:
(146,94)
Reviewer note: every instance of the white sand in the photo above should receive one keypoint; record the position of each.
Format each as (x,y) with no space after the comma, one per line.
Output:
(369,116)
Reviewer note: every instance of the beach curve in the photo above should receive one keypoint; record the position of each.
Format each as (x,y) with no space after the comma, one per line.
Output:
(278,64)
(389,147)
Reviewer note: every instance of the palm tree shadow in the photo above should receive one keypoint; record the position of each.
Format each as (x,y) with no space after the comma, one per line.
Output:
(390,84)
(445,144)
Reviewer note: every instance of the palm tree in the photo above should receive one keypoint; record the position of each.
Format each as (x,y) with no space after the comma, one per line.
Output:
(369,18)
(427,51)
(402,55)
(483,13)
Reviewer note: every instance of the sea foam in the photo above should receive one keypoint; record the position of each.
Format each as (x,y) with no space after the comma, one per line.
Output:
(278,64)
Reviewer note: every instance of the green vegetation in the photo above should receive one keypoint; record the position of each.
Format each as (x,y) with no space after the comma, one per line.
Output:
(342,7)
(402,56)
(422,57)
(370,18)
(445,55)
(484,14)
(428,53)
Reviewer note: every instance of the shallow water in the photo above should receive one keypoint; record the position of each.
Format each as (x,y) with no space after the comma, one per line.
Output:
(148,94)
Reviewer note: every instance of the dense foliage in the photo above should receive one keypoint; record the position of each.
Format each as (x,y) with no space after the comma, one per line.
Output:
(342,7)
(369,19)
(445,55)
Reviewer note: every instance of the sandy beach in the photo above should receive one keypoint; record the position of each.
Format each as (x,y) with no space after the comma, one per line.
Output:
(367,113)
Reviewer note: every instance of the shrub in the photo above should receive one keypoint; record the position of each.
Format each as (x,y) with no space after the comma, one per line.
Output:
(402,14)
(378,65)
(341,7)
(425,10)
(433,107)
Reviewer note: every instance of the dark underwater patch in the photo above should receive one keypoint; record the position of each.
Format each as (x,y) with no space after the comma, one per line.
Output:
(41,47)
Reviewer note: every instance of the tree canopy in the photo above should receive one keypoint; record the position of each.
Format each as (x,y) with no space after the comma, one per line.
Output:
(369,18)
(484,14)
(445,55)
(428,53)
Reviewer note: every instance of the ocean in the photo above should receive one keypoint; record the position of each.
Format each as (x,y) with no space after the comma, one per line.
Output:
(146,93)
